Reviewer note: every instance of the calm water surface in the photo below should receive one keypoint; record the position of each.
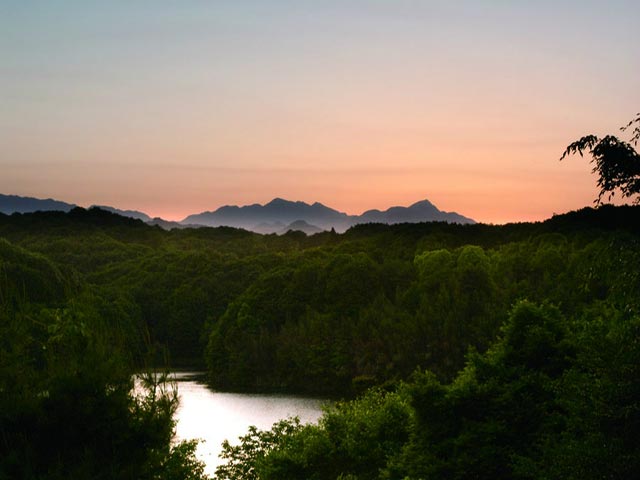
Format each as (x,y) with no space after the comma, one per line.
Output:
(215,416)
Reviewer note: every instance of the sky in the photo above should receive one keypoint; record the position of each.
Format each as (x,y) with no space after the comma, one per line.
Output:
(177,107)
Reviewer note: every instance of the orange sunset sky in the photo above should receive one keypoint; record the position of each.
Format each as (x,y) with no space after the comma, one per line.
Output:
(174,108)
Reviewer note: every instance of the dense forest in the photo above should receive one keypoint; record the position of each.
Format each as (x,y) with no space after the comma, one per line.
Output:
(472,351)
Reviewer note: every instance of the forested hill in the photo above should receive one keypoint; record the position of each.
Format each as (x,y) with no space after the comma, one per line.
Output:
(331,313)
(521,339)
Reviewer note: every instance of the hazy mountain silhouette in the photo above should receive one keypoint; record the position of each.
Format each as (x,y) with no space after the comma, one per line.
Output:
(301,226)
(418,212)
(168,224)
(277,216)
(267,228)
(16,204)
(125,213)
(277,213)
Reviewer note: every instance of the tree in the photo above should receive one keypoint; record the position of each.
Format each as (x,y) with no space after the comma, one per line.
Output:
(615,161)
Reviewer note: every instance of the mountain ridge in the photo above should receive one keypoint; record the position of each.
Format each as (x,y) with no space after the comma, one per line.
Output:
(275,216)
(281,211)
(18,204)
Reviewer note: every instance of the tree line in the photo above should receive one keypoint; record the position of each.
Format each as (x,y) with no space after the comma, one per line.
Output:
(434,317)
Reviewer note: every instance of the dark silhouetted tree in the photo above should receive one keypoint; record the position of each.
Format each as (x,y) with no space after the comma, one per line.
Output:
(615,161)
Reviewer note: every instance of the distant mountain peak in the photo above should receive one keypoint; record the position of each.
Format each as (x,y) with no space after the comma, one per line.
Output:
(268,218)
(423,203)
(281,201)
(301,226)
(265,218)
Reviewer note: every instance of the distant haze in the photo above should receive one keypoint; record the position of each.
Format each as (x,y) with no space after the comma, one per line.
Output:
(171,108)
(278,216)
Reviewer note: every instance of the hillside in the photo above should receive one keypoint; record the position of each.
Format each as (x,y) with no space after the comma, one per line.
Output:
(455,334)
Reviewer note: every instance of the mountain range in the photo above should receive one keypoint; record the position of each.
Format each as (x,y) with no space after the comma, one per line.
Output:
(15,204)
(279,212)
(277,216)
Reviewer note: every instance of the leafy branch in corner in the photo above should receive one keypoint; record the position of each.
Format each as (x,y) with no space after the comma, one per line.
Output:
(616,162)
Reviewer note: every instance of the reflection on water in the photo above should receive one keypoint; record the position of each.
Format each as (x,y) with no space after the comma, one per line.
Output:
(216,416)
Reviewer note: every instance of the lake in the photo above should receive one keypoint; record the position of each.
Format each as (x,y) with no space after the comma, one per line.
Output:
(215,416)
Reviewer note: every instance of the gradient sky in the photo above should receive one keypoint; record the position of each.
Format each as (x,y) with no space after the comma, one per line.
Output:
(176,107)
